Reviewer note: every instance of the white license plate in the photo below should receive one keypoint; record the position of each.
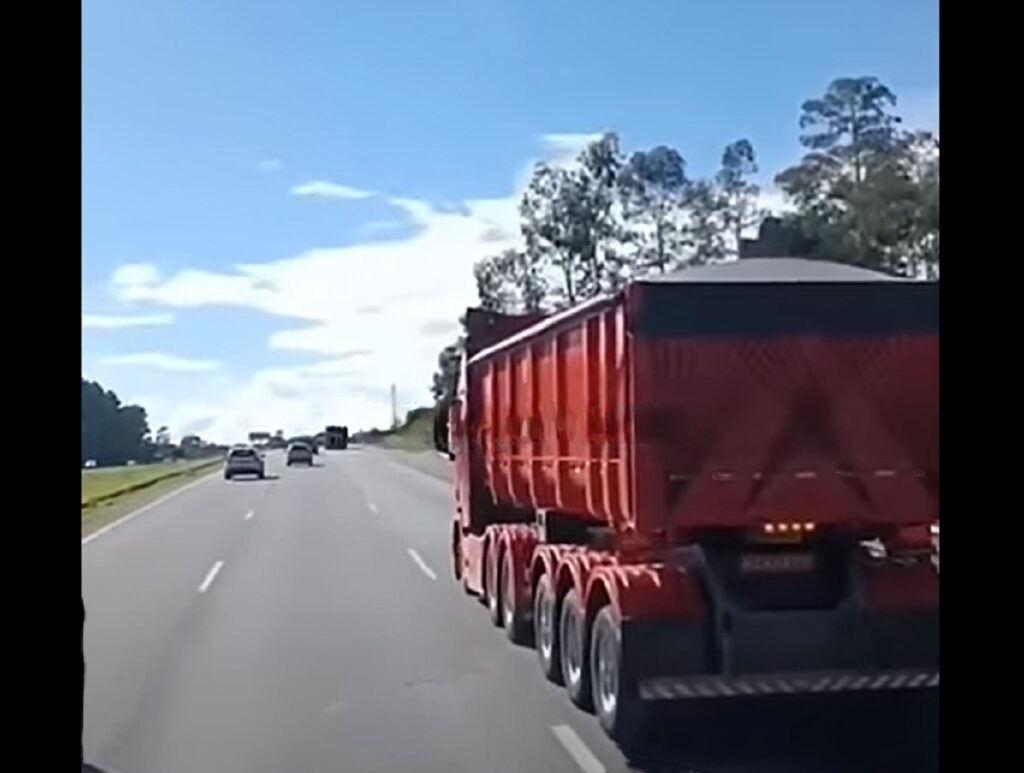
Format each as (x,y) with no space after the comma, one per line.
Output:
(777,563)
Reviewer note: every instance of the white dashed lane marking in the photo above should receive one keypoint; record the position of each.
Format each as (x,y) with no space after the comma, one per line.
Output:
(577,749)
(418,560)
(210,577)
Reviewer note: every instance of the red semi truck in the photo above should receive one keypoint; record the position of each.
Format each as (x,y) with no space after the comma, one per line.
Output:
(718,484)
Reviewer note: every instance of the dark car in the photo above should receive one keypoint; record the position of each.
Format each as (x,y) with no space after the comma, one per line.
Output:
(299,453)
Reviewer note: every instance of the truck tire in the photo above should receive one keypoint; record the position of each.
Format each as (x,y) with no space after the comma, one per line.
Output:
(457,555)
(617,702)
(492,586)
(572,651)
(513,620)
(545,630)
(227,476)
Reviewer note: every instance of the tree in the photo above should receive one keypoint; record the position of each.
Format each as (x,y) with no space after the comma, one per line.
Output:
(740,210)
(545,211)
(921,156)
(511,281)
(568,221)
(851,122)
(865,192)
(654,189)
(707,223)
(849,132)
(446,375)
(112,433)
(493,284)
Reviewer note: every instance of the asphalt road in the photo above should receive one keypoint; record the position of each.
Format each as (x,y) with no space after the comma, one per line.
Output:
(309,623)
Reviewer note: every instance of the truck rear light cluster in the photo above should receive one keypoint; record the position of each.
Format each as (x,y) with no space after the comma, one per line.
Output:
(793,527)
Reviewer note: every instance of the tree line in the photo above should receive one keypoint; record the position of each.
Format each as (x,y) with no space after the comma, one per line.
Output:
(866,193)
(114,433)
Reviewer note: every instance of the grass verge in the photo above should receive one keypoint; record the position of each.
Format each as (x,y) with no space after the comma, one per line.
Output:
(129,488)
(416,434)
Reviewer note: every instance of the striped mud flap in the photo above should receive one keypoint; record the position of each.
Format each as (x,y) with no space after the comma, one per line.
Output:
(785,653)
(676,687)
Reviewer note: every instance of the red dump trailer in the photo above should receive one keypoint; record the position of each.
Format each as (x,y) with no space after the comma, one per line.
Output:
(717,485)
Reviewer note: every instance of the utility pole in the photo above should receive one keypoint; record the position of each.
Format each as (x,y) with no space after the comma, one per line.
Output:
(394,408)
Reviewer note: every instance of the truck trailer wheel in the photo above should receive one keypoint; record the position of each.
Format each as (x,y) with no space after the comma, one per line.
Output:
(457,557)
(545,630)
(616,699)
(572,651)
(513,620)
(492,588)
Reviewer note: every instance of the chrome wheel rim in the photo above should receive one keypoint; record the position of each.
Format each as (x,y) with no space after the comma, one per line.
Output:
(571,650)
(545,625)
(607,673)
(510,597)
(490,590)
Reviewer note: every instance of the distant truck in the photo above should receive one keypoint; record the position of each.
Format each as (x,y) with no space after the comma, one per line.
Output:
(670,491)
(336,438)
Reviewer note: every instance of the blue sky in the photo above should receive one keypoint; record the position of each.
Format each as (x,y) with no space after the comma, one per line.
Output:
(245,302)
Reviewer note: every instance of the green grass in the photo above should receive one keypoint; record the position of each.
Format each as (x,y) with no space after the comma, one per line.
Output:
(105,511)
(416,434)
(138,486)
(108,483)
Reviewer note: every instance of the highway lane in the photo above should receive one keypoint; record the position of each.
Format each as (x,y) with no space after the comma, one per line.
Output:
(329,636)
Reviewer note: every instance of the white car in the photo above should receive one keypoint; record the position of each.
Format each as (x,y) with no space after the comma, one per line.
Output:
(244,461)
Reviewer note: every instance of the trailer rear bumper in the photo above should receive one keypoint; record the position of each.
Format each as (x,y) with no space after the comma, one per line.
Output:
(676,687)
(785,653)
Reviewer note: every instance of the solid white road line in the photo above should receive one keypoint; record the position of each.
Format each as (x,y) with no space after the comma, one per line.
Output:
(210,577)
(144,508)
(577,749)
(248,516)
(418,560)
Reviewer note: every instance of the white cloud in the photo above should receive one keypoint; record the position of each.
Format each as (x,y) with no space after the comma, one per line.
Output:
(294,400)
(559,150)
(121,321)
(369,315)
(328,190)
(269,164)
(569,144)
(135,273)
(774,201)
(161,361)
(370,312)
